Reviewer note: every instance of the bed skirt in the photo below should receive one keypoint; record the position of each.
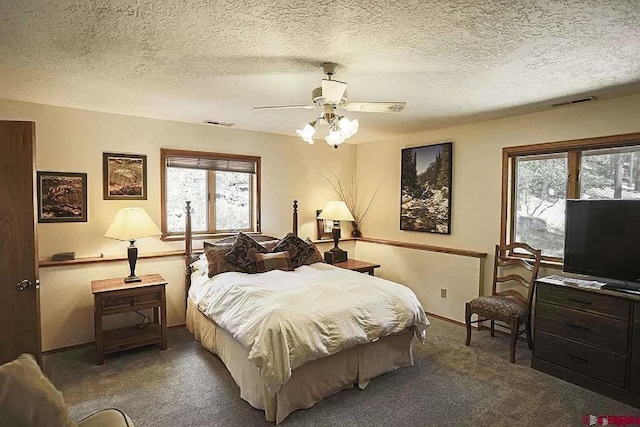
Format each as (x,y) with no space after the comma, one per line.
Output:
(311,382)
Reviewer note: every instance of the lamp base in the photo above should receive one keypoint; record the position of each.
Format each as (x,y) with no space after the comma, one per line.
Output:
(132,279)
(333,256)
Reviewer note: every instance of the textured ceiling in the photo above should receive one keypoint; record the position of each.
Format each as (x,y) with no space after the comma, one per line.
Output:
(451,61)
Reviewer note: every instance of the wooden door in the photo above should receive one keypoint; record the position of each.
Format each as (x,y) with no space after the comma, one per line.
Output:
(19,293)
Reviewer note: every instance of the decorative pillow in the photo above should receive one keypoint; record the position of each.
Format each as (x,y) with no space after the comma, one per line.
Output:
(201,264)
(27,397)
(273,261)
(298,249)
(269,244)
(243,253)
(215,258)
(315,256)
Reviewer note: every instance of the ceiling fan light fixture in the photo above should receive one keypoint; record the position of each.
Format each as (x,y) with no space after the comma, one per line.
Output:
(348,128)
(307,132)
(335,138)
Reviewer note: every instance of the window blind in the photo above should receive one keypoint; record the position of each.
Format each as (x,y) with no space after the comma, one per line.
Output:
(227,165)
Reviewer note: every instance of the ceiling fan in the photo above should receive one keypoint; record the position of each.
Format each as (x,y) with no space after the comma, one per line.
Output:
(332,94)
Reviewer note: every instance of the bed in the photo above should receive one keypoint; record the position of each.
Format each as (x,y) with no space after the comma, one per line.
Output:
(291,338)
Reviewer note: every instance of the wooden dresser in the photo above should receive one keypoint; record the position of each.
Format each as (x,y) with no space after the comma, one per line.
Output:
(590,337)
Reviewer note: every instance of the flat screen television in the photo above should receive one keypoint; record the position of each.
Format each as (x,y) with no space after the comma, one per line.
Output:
(602,239)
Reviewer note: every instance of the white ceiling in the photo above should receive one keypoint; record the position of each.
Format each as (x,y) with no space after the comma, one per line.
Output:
(190,60)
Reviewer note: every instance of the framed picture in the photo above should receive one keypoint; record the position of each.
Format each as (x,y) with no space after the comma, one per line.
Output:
(124,176)
(425,188)
(325,227)
(62,197)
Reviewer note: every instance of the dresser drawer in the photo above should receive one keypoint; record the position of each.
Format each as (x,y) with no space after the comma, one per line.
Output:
(139,299)
(634,376)
(585,359)
(584,300)
(605,332)
(636,310)
(635,351)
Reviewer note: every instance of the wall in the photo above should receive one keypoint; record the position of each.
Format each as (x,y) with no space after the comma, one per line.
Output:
(72,140)
(477,154)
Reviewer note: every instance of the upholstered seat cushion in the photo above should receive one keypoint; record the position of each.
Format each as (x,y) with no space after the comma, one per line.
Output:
(501,306)
(27,397)
(107,418)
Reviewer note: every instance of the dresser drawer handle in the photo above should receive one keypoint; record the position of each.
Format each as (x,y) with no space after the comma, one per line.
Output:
(578,327)
(577,359)
(579,301)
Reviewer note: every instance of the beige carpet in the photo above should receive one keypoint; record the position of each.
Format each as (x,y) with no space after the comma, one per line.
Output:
(449,385)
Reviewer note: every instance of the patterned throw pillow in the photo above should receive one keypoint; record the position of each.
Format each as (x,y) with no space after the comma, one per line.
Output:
(273,261)
(315,256)
(215,258)
(243,253)
(298,249)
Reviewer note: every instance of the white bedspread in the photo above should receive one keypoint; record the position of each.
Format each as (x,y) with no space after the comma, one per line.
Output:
(286,319)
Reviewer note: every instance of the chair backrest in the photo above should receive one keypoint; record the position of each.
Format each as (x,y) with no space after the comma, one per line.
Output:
(504,261)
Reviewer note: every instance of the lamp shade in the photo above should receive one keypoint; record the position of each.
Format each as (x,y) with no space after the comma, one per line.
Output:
(337,211)
(132,224)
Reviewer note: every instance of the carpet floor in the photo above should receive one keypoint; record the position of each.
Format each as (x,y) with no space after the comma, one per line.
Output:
(449,385)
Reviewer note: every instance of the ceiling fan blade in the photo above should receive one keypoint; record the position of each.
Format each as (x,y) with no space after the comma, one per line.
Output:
(333,91)
(376,107)
(286,107)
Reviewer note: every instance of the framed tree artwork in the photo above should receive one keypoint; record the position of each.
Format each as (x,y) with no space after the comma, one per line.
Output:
(124,176)
(62,197)
(425,191)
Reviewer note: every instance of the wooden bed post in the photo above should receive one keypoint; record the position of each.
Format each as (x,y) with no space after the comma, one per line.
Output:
(295,217)
(188,249)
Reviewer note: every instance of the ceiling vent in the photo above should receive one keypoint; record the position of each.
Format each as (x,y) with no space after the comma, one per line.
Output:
(575,101)
(217,123)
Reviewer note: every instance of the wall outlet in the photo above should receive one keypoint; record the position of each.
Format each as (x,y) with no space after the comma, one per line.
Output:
(443,292)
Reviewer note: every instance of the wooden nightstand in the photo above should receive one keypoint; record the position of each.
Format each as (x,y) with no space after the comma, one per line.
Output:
(112,296)
(355,265)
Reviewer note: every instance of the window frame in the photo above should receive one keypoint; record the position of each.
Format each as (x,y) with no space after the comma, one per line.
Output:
(573,149)
(255,192)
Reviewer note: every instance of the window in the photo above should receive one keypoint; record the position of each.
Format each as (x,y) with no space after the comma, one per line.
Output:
(222,189)
(538,179)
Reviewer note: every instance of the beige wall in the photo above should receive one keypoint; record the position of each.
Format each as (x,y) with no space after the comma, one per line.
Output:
(71,140)
(476,187)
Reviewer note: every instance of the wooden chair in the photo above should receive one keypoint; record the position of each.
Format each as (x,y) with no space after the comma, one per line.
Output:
(508,306)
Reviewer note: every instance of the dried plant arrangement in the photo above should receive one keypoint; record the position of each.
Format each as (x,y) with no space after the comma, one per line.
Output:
(348,190)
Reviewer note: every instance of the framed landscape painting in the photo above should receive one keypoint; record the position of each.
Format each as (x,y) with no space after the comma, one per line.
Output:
(325,227)
(124,176)
(425,191)
(62,197)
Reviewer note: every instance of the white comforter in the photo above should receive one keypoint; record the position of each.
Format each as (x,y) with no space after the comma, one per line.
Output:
(288,318)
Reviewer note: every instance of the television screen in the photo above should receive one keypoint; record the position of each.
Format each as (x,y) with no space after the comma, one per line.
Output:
(602,238)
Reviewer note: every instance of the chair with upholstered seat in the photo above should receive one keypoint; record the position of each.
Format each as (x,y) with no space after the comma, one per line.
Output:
(508,305)
(29,399)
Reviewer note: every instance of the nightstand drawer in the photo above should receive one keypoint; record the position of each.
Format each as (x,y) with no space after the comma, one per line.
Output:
(605,332)
(584,300)
(595,362)
(142,299)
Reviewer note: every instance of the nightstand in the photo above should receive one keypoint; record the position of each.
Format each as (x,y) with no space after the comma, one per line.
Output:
(360,266)
(112,296)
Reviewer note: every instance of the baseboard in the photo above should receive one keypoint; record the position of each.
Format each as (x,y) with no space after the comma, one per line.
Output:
(446,319)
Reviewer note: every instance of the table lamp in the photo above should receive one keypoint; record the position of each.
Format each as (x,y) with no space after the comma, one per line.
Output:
(132,224)
(336,211)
